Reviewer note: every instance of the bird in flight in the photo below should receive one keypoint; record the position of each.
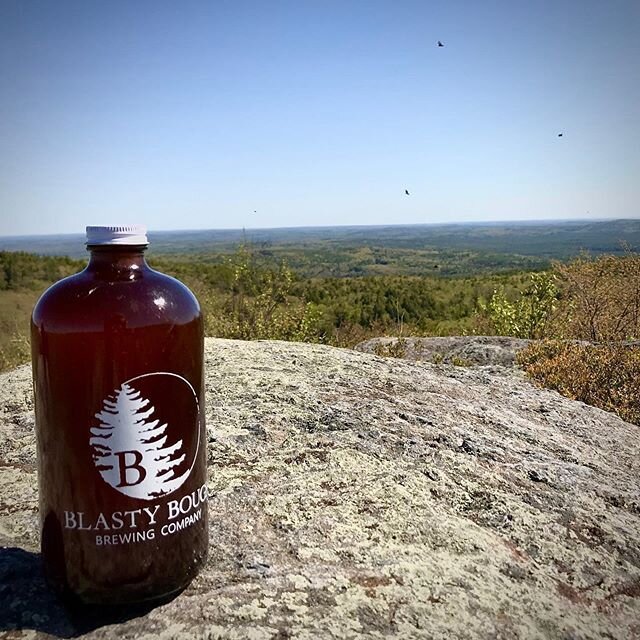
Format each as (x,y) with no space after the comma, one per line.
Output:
(440,44)
(560,135)
(406,191)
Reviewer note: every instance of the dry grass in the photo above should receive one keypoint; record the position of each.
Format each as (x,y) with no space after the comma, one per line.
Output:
(15,314)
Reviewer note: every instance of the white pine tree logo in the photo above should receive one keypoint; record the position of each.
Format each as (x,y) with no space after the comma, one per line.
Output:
(129,447)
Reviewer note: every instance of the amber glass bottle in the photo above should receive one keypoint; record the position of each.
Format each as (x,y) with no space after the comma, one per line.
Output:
(118,377)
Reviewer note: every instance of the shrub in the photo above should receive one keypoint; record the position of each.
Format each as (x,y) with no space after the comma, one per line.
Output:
(586,299)
(526,317)
(606,376)
(259,305)
(397,348)
(600,298)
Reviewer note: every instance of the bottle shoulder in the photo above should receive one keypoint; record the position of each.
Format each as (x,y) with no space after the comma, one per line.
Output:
(88,300)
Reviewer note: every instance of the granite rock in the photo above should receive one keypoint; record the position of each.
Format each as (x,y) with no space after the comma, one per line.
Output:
(354,496)
(464,350)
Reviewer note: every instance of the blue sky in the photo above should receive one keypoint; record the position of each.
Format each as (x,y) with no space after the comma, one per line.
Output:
(263,114)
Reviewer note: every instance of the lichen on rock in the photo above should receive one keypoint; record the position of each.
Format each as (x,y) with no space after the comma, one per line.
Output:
(354,496)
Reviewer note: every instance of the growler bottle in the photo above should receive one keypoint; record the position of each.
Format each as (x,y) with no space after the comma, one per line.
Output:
(117,354)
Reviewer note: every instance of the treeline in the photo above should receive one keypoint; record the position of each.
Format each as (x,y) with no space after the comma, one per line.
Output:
(424,304)
(22,270)
(335,261)
(249,297)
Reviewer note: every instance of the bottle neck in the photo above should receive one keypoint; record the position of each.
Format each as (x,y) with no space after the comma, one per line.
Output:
(119,262)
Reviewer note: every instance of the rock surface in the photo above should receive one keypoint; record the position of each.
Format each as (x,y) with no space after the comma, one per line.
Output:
(466,350)
(354,496)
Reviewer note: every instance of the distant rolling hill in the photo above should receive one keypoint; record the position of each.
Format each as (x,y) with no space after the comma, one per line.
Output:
(543,239)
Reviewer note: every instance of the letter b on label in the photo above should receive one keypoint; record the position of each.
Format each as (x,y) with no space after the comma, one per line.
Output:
(131,471)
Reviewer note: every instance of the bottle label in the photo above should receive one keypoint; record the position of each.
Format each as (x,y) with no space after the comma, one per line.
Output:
(135,446)
(144,443)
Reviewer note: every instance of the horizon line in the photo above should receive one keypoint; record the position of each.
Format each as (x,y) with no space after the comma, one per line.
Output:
(342,226)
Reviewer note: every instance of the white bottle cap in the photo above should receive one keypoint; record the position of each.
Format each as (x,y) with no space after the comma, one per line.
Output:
(128,234)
